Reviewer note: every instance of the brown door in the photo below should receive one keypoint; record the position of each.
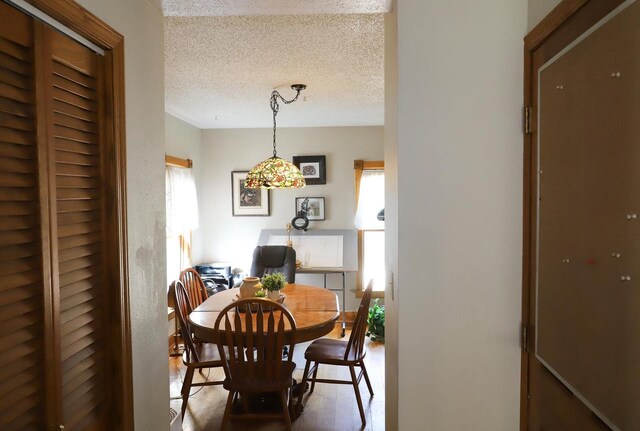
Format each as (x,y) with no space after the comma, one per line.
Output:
(23,275)
(582,188)
(72,88)
(60,325)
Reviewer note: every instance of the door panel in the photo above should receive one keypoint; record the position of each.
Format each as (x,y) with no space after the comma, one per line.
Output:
(64,347)
(21,289)
(588,183)
(74,82)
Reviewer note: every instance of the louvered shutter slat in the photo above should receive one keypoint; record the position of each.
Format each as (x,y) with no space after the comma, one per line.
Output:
(15,136)
(78,217)
(10,77)
(15,108)
(17,152)
(73,111)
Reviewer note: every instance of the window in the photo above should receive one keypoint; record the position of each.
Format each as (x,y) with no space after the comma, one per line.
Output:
(182,215)
(370,205)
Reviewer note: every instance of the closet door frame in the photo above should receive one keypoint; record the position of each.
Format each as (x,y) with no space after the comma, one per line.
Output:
(90,27)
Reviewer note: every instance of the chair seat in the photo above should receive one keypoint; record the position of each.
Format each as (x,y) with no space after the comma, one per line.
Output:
(330,351)
(208,355)
(260,381)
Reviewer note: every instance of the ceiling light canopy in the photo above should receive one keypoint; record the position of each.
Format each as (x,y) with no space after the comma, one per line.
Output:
(276,173)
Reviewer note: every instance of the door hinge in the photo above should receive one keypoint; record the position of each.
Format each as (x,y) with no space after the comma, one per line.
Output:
(524,338)
(527,120)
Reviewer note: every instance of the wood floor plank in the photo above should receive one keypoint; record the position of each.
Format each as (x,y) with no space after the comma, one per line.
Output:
(330,407)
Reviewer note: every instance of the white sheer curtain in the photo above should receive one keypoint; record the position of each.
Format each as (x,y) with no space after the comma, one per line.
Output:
(370,200)
(182,203)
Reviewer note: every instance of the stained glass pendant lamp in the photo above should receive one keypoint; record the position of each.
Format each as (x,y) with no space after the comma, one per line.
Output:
(276,173)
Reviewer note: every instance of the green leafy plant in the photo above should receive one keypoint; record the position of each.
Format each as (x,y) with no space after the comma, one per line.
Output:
(274,282)
(375,322)
(260,293)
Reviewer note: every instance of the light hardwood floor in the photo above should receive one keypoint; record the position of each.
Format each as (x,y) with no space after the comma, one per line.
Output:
(329,408)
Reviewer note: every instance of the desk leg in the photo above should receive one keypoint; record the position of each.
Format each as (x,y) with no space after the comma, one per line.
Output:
(344,302)
(344,306)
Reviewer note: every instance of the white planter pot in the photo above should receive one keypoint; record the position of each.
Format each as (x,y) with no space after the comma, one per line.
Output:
(274,296)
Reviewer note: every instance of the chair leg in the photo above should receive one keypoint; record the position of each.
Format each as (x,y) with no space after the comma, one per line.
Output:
(186,388)
(354,379)
(285,409)
(305,376)
(227,411)
(293,406)
(245,402)
(366,378)
(313,379)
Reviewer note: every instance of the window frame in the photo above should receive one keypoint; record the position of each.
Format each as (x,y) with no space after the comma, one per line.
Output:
(359,167)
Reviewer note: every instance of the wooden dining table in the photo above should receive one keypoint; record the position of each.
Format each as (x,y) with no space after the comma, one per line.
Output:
(314,309)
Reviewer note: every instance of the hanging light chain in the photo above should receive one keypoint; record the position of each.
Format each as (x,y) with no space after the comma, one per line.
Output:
(275,107)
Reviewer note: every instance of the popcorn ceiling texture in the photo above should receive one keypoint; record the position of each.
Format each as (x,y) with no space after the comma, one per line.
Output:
(272,7)
(220,71)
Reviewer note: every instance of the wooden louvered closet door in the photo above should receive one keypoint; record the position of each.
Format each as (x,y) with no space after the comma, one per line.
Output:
(72,86)
(22,329)
(56,360)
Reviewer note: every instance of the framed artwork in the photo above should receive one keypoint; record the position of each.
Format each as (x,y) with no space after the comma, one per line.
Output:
(313,168)
(315,210)
(247,202)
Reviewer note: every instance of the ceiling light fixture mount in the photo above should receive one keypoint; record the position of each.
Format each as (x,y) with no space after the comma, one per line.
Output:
(276,172)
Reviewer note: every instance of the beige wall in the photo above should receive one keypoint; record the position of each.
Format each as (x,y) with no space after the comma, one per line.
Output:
(460,271)
(232,239)
(459,213)
(142,26)
(538,9)
(391,216)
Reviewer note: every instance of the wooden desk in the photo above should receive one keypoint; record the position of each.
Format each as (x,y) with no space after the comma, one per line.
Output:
(314,309)
(324,272)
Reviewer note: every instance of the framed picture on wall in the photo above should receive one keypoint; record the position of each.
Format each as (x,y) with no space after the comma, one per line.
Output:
(247,202)
(315,210)
(313,168)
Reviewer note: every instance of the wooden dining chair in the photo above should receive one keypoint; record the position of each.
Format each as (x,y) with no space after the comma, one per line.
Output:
(252,331)
(349,353)
(194,286)
(196,356)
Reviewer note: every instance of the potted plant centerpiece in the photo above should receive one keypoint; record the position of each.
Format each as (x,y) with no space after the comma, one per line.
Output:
(274,283)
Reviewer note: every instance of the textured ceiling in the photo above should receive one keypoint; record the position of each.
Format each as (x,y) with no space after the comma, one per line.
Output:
(272,7)
(220,71)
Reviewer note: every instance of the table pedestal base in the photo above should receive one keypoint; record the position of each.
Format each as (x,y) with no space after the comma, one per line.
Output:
(270,402)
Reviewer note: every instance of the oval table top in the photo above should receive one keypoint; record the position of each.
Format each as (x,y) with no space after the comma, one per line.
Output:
(314,309)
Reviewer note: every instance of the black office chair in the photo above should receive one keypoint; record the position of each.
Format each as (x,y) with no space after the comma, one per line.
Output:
(268,259)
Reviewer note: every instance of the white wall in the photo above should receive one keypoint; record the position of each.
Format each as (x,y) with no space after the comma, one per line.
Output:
(391,216)
(459,213)
(142,26)
(538,9)
(232,239)
(185,141)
